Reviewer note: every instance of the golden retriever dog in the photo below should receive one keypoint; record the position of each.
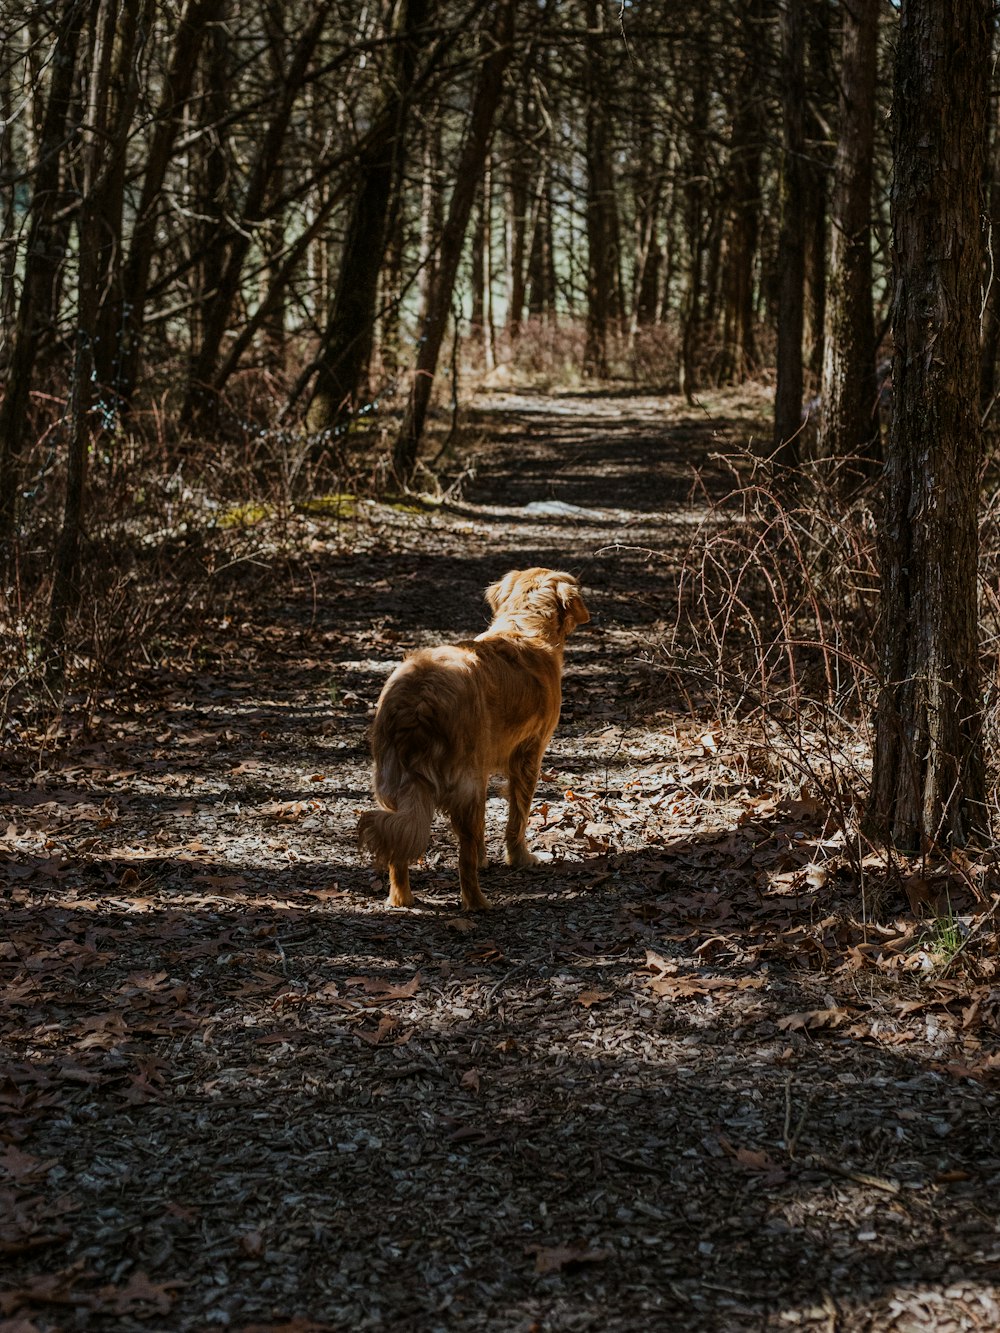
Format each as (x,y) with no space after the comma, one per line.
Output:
(450,717)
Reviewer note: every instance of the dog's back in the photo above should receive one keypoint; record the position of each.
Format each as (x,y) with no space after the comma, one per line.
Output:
(448,717)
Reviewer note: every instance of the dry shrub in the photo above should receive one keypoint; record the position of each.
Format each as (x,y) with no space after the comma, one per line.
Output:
(775,624)
(654,357)
(178,532)
(775,634)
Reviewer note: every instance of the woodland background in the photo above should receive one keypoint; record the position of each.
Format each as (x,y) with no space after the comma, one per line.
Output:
(317,318)
(248,251)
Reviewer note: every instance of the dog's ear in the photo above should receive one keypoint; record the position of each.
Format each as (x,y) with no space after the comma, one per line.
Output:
(573,605)
(497,593)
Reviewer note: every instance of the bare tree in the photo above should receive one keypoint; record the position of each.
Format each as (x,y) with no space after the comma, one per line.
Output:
(849,422)
(468,174)
(791,245)
(929,783)
(347,340)
(42,257)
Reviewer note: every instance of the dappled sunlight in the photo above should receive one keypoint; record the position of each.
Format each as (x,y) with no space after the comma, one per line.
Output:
(681,1035)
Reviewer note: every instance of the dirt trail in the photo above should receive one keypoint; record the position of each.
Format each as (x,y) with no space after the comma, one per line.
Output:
(653,1089)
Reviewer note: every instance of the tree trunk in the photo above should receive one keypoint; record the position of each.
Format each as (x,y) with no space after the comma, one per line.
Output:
(199,395)
(695,189)
(468,173)
(128,26)
(739,351)
(42,256)
(177,88)
(82,418)
(347,342)
(991,280)
(517,226)
(928,784)
(791,247)
(601,256)
(849,421)
(481,322)
(8,226)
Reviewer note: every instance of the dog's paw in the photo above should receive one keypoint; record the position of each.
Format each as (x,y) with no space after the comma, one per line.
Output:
(400,900)
(520,856)
(479,903)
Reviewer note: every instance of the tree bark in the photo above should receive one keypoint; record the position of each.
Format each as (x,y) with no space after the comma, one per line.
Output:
(468,173)
(177,88)
(821,107)
(928,784)
(600,204)
(129,25)
(791,247)
(739,350)
(347,341)
(991,278)
(516,231)
(42,257)
(695,190)
(97,145)
(199,395)
(849,423)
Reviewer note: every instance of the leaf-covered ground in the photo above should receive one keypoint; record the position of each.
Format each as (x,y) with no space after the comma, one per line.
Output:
(672,1081)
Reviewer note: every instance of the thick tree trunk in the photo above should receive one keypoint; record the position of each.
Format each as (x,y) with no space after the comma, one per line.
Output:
(791,247)
(648,192)
(850,422)
(928,784)
(347,342)
(468,173)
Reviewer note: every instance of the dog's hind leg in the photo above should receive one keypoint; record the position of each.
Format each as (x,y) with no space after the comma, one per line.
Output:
(469,823)
(399,885)
(525,766)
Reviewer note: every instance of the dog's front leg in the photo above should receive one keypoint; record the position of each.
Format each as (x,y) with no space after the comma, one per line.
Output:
(525,766)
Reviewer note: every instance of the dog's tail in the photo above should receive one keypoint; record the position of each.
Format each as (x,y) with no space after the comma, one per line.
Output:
(401,834)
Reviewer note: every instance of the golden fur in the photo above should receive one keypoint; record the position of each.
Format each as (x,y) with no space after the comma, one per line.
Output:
(449,717)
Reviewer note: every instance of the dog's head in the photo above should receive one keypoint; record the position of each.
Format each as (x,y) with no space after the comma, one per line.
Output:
(539,601)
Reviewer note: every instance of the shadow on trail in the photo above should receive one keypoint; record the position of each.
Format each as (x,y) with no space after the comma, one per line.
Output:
(513,1102)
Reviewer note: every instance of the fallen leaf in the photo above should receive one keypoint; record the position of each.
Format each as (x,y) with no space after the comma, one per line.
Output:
(22,1166)
(592,997)
(553,1259)
(375,1037)
(138,1291)
(814,1018)
(461,924)
(386,990)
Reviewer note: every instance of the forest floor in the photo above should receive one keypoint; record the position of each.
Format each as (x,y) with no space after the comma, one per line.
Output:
(671,1081)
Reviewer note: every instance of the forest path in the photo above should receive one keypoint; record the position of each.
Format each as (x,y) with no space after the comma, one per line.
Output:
(666,1083)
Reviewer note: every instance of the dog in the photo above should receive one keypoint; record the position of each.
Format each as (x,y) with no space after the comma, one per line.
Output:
(450,717)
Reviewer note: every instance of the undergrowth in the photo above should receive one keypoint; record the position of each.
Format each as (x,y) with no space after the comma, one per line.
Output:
(775,634)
